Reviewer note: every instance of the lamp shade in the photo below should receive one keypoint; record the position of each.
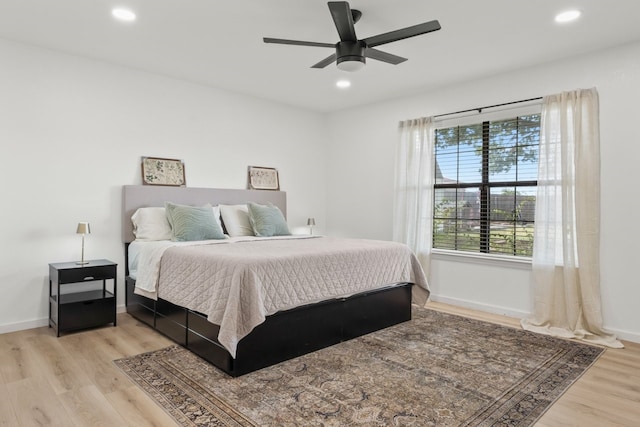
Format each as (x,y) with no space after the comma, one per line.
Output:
(83,228)
(311,221)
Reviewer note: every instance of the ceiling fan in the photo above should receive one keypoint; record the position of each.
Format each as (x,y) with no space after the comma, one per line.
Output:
(351,53)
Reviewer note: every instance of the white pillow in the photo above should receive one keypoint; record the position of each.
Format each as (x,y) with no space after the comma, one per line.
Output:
(151,224)
(236,220)
(216,213)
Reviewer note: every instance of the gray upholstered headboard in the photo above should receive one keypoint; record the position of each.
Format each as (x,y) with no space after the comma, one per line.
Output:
(138,196)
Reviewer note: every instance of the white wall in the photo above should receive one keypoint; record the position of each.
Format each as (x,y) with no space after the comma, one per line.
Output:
(72,132)
(361,162)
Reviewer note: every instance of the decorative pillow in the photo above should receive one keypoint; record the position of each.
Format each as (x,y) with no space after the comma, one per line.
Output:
(267,221)
(151,224)
(190,223)
(236,220)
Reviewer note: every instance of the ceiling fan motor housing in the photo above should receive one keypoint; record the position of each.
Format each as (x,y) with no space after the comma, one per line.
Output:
(350,52)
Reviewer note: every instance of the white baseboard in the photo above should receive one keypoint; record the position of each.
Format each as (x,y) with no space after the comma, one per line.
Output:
(488,308)
(621,334)
(38,323)
(21,326)
(625,335)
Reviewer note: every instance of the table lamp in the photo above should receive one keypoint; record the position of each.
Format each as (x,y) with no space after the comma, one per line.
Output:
(311,222)
(83,228)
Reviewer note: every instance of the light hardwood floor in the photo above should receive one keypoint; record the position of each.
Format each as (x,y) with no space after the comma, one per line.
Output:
(72,381)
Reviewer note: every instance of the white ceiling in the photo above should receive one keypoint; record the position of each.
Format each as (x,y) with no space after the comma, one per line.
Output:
(219,43)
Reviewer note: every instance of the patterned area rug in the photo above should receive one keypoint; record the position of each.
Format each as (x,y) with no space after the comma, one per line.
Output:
(436,370)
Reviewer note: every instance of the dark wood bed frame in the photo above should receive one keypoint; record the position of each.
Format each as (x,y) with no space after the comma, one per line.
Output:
(283,335)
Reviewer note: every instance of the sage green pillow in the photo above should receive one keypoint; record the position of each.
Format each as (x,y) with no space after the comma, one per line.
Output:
(189,223)
(267,221)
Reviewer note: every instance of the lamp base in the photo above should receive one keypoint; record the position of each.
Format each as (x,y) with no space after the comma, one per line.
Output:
(82,262)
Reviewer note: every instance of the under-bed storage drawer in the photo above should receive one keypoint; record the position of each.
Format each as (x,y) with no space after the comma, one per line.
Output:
(209,350)
(141,313)
(173,330)
(202,339)
(172,312)
(314,327)
(171,320)
(199,324)
(376,310)
(140,307)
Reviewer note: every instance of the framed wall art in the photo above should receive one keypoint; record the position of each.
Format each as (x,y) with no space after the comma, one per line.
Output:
(159,171)
(261,178)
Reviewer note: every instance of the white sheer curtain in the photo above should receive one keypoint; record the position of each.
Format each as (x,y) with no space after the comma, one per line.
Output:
(566,265)
(413,202)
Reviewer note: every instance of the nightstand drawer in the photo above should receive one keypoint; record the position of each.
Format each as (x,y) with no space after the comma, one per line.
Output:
(85,274)
(86,314)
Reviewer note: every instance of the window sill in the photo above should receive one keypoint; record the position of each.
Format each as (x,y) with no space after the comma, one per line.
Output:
(484,259)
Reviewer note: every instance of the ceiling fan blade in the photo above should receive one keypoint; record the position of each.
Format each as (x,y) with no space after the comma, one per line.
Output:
(342,17)
(326,61)
(297,42)
(403,33)
(383,56)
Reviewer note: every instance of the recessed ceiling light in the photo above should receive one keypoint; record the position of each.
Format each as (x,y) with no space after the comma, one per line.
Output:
(125,15)
(343,84)
(568,16)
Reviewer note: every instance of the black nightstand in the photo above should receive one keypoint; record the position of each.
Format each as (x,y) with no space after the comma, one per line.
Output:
(82,308)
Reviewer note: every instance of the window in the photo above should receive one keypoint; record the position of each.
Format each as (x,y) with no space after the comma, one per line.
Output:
(485,186)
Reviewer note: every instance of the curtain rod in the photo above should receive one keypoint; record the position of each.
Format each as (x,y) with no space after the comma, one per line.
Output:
(479,109)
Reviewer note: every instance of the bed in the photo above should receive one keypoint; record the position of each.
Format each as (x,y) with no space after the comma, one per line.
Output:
(266,327)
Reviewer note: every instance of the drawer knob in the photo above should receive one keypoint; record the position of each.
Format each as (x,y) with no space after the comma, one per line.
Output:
(88,278)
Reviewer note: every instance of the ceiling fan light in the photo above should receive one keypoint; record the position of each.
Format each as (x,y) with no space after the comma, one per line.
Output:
(351,64)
